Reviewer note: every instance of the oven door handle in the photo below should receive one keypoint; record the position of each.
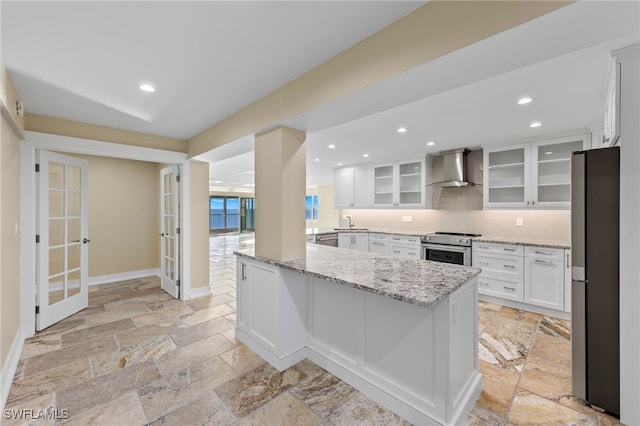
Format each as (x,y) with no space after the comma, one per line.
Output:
(443,247)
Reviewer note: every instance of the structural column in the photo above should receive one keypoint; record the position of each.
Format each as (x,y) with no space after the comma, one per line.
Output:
(280,179)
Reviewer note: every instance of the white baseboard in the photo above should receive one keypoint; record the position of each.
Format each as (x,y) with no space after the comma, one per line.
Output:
(9,368)
(197,292)
(123,276)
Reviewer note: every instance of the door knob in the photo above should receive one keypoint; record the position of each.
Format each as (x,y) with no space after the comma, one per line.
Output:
(86,240)
(162,234)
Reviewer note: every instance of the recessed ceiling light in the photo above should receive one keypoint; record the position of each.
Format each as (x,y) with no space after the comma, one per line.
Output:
(147,88)
(535,124)
(548,153)
(365,155)
(332,146)
(431,143)
(339,164)
(524,100)
(316,159)
(402,129)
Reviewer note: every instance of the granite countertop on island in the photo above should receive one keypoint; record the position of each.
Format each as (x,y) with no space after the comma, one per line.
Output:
(523,242)
(419,282)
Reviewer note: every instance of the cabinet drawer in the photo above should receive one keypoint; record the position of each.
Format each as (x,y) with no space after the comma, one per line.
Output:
(544,252)
(378,237)
(405,251)
(509,266)
(404,239)
(512,249)
(501,287)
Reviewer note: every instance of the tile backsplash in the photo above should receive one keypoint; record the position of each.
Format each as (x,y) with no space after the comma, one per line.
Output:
(538,224)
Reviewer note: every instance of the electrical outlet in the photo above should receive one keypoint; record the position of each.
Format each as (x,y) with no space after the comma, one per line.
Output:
(519,221)
(407,219)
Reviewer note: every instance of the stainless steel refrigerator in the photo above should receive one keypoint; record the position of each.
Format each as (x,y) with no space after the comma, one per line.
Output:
(595,317)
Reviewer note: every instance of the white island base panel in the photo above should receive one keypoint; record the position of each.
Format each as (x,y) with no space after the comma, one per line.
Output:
(420,362)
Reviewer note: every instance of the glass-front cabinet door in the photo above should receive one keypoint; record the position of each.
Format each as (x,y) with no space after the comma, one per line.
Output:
(531,175)
(383,184)
(552,172)
(411,184)
(506,176)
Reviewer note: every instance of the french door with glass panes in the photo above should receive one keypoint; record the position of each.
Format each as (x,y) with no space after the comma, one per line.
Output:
(62,238)
(170,231)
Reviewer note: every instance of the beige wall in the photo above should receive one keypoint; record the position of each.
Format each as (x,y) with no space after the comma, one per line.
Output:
(431,31)
(199,222)
(538,224)
(123,215)
(76,129)
(280,190)
(9,238)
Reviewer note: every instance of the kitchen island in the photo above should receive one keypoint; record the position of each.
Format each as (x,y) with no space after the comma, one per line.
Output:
(402,331)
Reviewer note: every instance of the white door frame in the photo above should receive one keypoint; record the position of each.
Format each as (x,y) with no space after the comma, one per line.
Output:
(37,140)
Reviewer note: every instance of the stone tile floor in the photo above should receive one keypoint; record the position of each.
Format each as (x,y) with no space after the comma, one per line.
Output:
(136,356)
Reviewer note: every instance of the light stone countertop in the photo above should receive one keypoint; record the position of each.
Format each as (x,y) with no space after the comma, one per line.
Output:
(419,282)
(523,242)
(320,231)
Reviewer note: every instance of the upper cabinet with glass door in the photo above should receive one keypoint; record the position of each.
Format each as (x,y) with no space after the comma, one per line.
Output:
(399,185)
(531,175)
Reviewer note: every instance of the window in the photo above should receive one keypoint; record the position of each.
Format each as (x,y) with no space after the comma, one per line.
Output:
(311,207)
(224,213)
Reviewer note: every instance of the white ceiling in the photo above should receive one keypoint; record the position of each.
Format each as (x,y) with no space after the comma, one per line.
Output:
(207,59)
(82,61)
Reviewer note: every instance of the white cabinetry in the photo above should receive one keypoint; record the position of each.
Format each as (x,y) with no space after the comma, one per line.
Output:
(399,185)
(271,310)
(354,240)
(502,270)
(530,275)
(531,175)
(405,246)
(612,107)
(378,243)
(353,187)
(544,272)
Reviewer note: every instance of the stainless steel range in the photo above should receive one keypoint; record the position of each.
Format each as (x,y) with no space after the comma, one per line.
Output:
(449,247)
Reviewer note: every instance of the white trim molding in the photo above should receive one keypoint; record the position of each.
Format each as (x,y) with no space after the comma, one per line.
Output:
(102,149)
(199,292)
(9,367)
(123,276)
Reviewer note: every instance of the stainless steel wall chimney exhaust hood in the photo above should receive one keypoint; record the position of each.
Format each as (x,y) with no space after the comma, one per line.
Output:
(454,163)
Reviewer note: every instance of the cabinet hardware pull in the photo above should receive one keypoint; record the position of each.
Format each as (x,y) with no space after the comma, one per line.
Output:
(567,260)
(483,263)
(543,252)
(396,251)
(509,288)
(244,277)
(483,247)
(533,202)
(508,249)
(546,262)
(509,266)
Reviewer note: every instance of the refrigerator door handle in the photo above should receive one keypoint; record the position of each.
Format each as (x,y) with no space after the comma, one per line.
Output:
(578,339)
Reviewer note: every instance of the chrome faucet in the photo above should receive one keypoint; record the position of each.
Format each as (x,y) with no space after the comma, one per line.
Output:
(351,224)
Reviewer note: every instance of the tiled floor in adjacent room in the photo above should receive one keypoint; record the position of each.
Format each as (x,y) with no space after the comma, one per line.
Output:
(137,356)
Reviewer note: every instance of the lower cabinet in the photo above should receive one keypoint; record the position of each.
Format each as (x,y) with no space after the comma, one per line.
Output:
(527,274)
(378,243)
(502,270)
(270,310)
(354,240)
(544,277)
(405,246)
